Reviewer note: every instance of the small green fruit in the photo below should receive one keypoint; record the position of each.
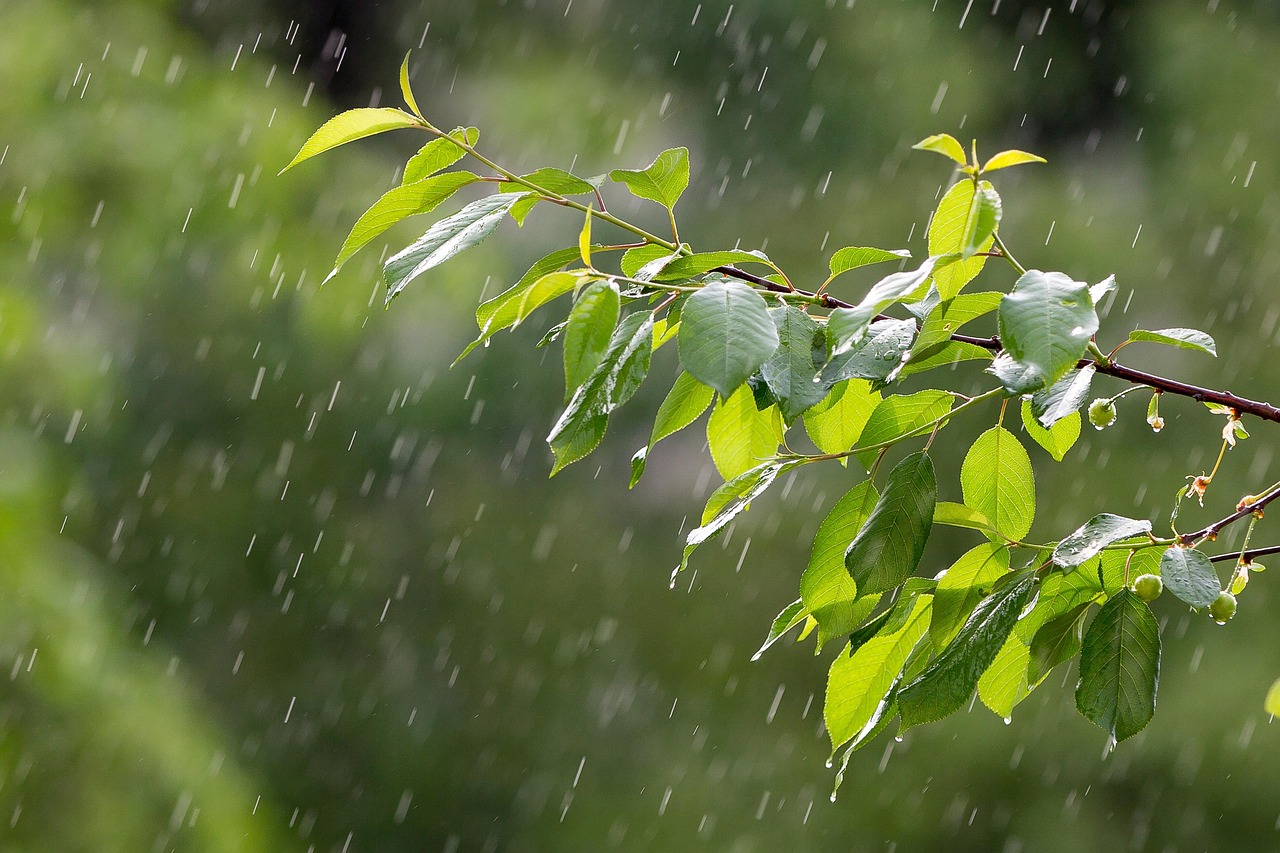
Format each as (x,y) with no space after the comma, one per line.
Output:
(1148,587)
(1102,413)
(1223,607)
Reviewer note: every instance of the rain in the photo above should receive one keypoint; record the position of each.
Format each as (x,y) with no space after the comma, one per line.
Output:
(275,576)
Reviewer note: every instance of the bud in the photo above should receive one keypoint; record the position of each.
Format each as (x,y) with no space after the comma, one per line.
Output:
(1102,413)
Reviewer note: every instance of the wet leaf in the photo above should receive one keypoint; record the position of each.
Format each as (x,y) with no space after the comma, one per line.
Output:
(1189,575)
(791,371)
(826,587)
(852,257)
(730,499)
(965,583)
(726,333)
(792,615)
(1182,338)
(740,435)
(997,481)
(1056,440)
(350,126)
(1094,535)
(888,548)
(438,154)
(835,423)
(1063,398)
(1120,667)
(588,332)
(846,326)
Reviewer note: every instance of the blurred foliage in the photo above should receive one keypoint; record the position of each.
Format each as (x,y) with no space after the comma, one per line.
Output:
(273,578)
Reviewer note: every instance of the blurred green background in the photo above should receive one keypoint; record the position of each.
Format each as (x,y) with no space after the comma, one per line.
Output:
(272,577)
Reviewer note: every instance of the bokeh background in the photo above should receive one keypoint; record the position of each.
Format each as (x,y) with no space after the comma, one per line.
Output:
(273,577)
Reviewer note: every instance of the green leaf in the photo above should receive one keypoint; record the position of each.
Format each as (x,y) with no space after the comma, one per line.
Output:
(950,354)
(663,180)
(957,227)
(1189,575)
(944,144)
(1005,682)
(996,480)
(791,372)
(686,401)
(689,266)
(826,588)
(614,380)
(858,683)
(967,582)
(639,257)
(1099,291)
(852,257)
(588,332)
(726,333)
(946,318)
(792,615)
(1045,325)
(1120,667)
(1059,438)
(350,126)
(1183,338)
(1059,594)
(888,547)
(1063,398)
(900,416)
(552,180)
(445,239)
(397,204)
(959,515)
(1272,704)
(948,683)
(878,355)
(834,424)
(729,500)
(438,154)
(1094,535)
(1117,568)
(405,89)
(584,241)
(846,326)
(741,435)
(1012,157)
(1057,641)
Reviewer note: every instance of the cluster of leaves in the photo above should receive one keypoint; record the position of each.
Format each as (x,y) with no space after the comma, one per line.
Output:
(767,357)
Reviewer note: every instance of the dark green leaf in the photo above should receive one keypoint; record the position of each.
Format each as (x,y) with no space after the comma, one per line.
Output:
(1184,338)
(589,330)
(852,257)
(1059,438)
(1189,575)
(791,372)
(1097,533)
(438,154)
(1062,398)
(826,587)
(968,581)
(663,180)
(445,239)
(689,266)
(726,333)
(948,683)
(1057,641)
(553,180)
(1120,667)
(888,547)
(1045,325)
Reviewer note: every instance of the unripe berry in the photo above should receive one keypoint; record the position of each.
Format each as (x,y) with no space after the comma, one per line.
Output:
(1223,607)
(1102,413)
(1148,587)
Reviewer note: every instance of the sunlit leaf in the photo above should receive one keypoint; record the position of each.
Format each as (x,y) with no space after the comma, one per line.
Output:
(1012,157)
(732,498)
(902,415)
(439,154)
(740,435)
(835,423)
(944,144)
(1183,338)
(1045,325)
(1063,398)
(405,89)
(1094,535)
(996,480)
(588,332)
(663,180)
(852,257)
(1056,440)
(954,229)
(965,583)
(792,615)
(350,126)
(826,588)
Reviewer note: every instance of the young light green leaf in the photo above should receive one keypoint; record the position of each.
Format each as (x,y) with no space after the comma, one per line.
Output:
(588,332)
(835,423)
(1056,440)
(405,89)
(663,180)
(852,257)
(551,180)
(397,204)
(1094,535)
(984,216)
(1272,703)
(968,581)
(1189,575)
(1012,157)
(503,310)
(946,318)
(948,683)
(1005,682)
(858,683)
(350,126)
(726,333)
(792,615)
(826,587)
(439,154)
(1099,291)
(944,144)
(955,226)
(959,515)
(639,257)
(1120,667)
(730,499)
(996,480)
(689,266)
(584,241)
(1183,338)
(683,405)
(950,354)
(1062,398)
(900,416)
(878,355)
(791,372)
(1059,595)
(1045,325)
(445,239)
(888,547)
(846,326)
(741,435)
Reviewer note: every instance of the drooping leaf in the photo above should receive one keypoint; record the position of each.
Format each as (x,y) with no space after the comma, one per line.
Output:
(792,615)
(955,227)
(852,257)
(888,548)
(1183,338)
(1056,440)
(1045,325)
(944,144)
(858,683)
(1099,291)
(588,332)
(950,354)
(445,239)
(835,423)
(686,401)
(900,416)
(1059,594)
(663,180)
(584,240)
(639,257)
(1062,398)
(350,126)
(996,480)
(1094,535)
(826,588)
(1012,157)
(1120,667)
(439,154)
(846,326)
(1189,575)
(877,356)
(967,582)
(398,204)
(792,370)
(740,435)
(728,501)
(949,681)
(726,333)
